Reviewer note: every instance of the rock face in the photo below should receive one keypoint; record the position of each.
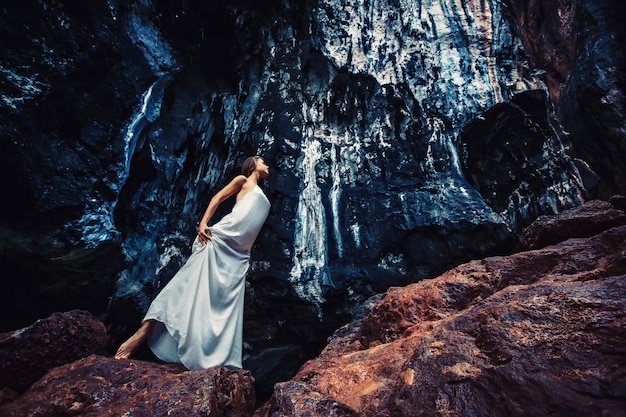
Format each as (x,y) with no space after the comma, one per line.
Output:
(583,221)
(584,72)
(380,119)
(512,157)
(540,332)
(55,367)
(99,386)
(27,354)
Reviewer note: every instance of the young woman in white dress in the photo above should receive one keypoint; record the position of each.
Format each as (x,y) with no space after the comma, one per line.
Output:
(197,319)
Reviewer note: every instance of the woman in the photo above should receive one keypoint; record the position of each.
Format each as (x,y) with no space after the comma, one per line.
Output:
(197,319)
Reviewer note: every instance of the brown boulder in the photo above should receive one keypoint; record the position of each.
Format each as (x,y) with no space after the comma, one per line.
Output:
(100,386)
(585,220)
(79,383)
(537,333)
(27,354)
(313,403)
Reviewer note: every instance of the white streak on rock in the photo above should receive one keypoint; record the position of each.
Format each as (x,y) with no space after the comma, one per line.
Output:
(309,273)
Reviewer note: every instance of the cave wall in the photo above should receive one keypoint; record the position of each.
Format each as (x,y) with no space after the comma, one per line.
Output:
(403,138)
(579,45)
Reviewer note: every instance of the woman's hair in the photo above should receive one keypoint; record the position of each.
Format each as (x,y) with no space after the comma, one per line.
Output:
(249,165)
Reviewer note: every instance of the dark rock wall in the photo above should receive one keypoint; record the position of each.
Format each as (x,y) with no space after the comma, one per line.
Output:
(71,76)
(579,45)
(593,104)
(403,137)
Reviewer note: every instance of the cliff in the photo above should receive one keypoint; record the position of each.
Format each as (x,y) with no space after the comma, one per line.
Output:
(538,332)
(405,138)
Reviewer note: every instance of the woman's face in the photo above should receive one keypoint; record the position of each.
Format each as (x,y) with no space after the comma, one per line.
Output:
(262,168)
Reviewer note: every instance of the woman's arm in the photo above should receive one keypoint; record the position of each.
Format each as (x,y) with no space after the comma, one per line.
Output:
(204,233)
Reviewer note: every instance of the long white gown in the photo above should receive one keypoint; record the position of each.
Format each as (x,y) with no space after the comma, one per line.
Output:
(199,313)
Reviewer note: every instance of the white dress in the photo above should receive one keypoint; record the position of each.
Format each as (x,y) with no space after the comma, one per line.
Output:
(199,313)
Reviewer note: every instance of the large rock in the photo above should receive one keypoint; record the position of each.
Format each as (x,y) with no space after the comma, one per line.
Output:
(579,45)
(99,386)
(53,366)
(512,156)
(27,354)
(120,118)
(69,91)
(583,221)
(536,333)
(121,122)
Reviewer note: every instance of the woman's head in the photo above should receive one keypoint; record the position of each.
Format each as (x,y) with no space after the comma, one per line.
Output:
(250,165)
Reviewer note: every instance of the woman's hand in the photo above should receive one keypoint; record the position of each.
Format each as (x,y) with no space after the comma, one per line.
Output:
(204,233)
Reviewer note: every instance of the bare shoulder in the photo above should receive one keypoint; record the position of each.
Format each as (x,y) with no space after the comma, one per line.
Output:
(234,186)
(239,180)
(246,187)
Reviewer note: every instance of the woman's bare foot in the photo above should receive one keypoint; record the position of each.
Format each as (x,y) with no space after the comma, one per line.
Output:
(129,347)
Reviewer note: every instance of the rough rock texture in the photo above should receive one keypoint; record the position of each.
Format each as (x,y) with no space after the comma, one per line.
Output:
(593,103)
(69,77)
(583,221)
(511,157)
(120,118)
(618,201)
(540,332)
(550,30)
(579,44)
(27,354)
(99,386)
(121,123)
(50,369)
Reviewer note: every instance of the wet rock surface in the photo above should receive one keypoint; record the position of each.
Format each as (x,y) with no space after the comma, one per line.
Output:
(100,386)
(27,354)
(539,332)
(120,119)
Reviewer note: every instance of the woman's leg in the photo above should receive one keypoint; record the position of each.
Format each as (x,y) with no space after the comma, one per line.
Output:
(129,347)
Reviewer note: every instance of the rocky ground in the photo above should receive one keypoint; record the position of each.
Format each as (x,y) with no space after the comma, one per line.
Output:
(404,138)
(539,332)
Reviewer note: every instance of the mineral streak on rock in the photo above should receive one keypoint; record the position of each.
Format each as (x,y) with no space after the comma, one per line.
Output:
(107,176)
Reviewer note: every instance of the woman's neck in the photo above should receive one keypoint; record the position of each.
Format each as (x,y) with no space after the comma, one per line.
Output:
(254,178)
